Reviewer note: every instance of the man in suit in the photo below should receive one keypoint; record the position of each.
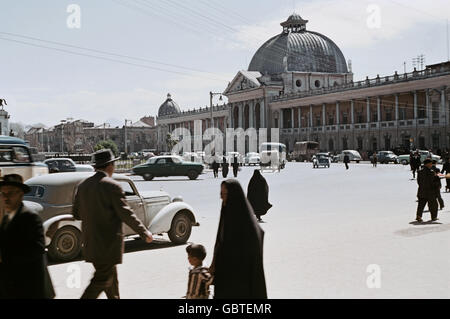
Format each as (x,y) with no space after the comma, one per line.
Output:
(346,160)
(101,206)
(23,269)
(429,185)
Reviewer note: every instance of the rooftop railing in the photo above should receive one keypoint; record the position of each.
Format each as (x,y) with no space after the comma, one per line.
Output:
(367,83)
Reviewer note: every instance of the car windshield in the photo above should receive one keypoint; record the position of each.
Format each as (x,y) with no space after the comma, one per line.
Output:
(36,191)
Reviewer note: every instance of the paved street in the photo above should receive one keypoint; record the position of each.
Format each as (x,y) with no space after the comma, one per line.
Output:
(325,228)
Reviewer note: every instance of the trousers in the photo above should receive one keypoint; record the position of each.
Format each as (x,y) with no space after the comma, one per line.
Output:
(104,279)
(432,206)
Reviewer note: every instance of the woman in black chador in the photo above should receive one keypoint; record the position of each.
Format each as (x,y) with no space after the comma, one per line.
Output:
(238,254)
(224,167)
(258,194)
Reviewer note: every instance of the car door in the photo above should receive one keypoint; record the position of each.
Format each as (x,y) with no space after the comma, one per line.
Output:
(161,167)
(135,202)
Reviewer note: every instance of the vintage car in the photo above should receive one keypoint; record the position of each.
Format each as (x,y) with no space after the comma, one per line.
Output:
(352,154)
(63,165)
(165,166)
(252,158)
(55,194)
(16,158)
(321,159)
(385,157)
(270,160)
(404,159)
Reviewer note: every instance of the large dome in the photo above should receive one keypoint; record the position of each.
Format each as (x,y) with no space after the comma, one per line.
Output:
(297,49)
(169,107)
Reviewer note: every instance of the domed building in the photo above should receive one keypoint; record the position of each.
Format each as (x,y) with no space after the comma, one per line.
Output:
(298,50)
(298,82)
(169,107)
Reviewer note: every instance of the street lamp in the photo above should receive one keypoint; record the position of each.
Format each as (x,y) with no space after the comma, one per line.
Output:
(62,135)
(125,133)
(211,95)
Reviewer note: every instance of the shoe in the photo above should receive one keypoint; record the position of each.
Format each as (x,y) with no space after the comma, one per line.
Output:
(419,219)
(434,219)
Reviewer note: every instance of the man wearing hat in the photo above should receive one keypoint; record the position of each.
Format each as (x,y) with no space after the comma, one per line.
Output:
(23,269)
(429,185)
(101,206)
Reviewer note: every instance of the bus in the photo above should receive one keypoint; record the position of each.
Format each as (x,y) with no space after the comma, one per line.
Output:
(304,151)
(17,158)
(279,147)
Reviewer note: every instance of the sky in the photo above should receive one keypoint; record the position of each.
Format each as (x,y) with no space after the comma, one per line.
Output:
(110,60)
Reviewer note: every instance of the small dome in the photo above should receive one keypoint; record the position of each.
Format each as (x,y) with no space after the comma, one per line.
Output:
(169,107)
(298,50)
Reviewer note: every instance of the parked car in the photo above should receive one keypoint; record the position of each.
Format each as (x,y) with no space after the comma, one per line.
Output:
(321,160)
(252,158)
(54,194)
(385,157)
(16,158)
(230,157)
(271,159)
(352,154)
(64,165)
(404,159)
(165,166)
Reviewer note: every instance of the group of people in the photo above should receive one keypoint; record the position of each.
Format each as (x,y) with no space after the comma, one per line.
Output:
(429,191)
(236,270)
(225,167)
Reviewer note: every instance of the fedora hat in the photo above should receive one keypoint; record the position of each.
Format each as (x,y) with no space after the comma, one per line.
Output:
(103,157)
(14,180)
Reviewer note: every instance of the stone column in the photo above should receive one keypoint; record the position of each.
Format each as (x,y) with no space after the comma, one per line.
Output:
(299,117)
(324,115)
(281,119)
(337,114)
(443,109)
(428,108)
(396,107)
(310,116)
(378,109)
(251,114)
(368,110)
(415,105)
(241,109)
(352,111)
(292,117)
(262,112)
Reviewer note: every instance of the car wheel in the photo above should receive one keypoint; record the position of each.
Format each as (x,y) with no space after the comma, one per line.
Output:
(66,244)
(192,175)
(148,176)
(180,230)
(404,162)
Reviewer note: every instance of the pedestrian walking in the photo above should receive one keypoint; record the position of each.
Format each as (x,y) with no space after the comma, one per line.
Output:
(215,167)
(23,270)
(237,264)
(199,277)
(428,190)
(100,204)
(346,160)
(258,194)
(415,163)
(225,168)
(235,166)
(374,159)
(446,170)
(439,197)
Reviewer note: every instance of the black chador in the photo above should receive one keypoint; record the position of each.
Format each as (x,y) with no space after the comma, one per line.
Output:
(225,166)
(238,252)
(258,194)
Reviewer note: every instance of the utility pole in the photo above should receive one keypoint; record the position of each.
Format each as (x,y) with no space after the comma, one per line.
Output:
(125,133)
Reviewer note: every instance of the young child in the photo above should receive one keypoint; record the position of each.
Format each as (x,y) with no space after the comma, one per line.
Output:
(199,277)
